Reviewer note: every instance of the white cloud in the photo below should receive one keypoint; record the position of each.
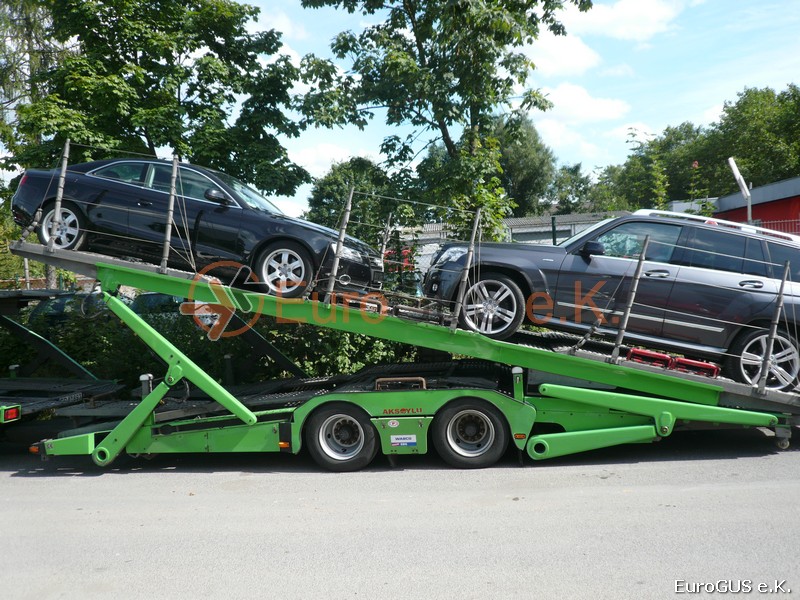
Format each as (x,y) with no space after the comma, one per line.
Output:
(636,20)
(640,131)
(565,140)
(711,114)
(319,158)
(562,56)
(622,70)
(573,104)
(269,18)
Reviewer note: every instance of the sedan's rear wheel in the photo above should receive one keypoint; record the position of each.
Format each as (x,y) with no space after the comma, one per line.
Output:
(70,232)
(285,269)
(494,306)
(747,359)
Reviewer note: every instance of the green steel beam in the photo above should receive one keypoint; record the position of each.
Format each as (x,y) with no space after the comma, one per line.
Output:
(551,445)
(427,335)
(179,364)
(664,412)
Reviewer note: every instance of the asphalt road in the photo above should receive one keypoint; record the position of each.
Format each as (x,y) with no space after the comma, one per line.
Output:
(719,509)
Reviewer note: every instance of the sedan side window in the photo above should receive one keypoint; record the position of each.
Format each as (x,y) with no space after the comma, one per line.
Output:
(192,184)
(626,241)
(129,172)
(188,183)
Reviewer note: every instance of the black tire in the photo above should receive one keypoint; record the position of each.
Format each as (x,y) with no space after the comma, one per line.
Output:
(71,234)
(746,355)
(470,434)
(285,269)
(493,306)
(341,437)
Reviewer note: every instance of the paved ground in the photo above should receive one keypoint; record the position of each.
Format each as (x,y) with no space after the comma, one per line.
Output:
(639,522)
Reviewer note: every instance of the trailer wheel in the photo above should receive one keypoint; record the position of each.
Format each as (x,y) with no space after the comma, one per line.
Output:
(341,438)
(71,232)
(470,434)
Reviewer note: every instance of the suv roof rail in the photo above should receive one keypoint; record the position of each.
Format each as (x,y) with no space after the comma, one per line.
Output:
(744,227)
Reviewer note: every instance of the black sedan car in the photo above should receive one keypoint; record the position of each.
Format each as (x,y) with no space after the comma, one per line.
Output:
(120,207)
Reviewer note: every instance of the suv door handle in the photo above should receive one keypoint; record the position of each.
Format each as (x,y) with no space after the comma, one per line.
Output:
(657,273)
(751,283)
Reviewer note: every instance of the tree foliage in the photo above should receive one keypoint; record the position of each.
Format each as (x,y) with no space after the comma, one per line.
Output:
(527,164)
(441,68)
(761,129)
(144,75)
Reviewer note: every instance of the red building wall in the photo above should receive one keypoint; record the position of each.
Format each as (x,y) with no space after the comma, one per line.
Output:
(783,215)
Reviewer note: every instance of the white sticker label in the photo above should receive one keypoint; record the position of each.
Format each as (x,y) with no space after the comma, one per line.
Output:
(404,440)
(394,423)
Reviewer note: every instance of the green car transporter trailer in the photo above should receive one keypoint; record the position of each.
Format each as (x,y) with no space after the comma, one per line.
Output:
(546,402)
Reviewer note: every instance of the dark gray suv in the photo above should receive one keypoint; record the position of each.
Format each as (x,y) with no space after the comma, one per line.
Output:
(708,288)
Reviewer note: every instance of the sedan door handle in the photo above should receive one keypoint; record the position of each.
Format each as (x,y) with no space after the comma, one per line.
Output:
(658,273)
(144,203)
(751,283)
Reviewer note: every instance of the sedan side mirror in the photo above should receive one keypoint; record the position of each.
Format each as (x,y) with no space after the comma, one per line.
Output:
(216,195)
(593,248)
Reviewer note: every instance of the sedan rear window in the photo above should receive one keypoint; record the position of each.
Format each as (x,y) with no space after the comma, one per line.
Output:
(129,172)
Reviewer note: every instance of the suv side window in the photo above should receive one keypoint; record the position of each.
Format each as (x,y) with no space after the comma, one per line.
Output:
(717,250)
(755,262)
(778,255)
(626,241)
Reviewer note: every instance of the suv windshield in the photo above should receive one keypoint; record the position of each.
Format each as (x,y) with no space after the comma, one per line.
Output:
(249,195)
(583,232)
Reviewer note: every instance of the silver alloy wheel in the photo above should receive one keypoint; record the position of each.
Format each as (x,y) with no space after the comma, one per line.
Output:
(67,231)
(284,271)
(783,366)
(470,433)
(341,437)
(490,307)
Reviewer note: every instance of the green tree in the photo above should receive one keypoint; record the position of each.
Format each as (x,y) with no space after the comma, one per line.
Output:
(604,194)
(26,51)
(375,199)
(528,165)
(144,75)
(761,129)
(442,68)
(569,191)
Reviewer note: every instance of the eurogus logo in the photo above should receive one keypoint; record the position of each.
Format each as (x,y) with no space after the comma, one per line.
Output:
(215,317)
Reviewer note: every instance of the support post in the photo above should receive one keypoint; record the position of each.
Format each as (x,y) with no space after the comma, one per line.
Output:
(773,331)
(462,287)
(56,223)
(339,245)
(623,324)
(170,214)
(386,233)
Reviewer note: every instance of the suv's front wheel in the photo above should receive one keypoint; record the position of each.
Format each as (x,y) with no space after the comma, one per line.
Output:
(493,306)
(747,359)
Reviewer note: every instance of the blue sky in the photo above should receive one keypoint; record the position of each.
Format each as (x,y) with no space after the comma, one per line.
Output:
(642,64)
